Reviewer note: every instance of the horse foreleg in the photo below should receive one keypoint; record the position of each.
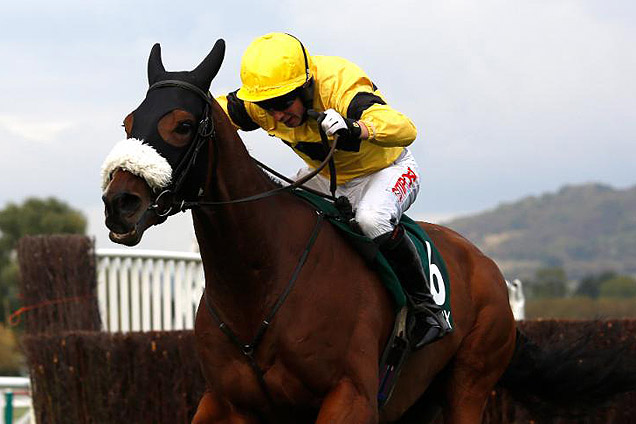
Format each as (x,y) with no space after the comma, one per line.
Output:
(480,362)
(344,404)
(467,409)
(471,380)
(214,410)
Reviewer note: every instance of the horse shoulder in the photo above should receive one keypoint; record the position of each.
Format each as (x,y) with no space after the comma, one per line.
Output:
(336,321)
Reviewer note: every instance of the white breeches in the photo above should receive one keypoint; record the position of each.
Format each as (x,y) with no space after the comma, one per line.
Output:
(378,199)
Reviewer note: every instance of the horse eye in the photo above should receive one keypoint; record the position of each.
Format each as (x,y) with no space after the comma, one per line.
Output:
(184,128)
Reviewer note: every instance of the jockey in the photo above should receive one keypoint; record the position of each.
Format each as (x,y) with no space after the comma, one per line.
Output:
(375,169)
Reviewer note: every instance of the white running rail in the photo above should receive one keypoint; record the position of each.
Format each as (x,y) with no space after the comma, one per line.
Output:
(148,290)
(20,390)
(153,290)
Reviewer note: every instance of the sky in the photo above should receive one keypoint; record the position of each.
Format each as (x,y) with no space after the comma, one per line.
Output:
(510,98)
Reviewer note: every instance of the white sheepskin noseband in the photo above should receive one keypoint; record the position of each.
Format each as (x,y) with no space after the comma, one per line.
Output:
(139,159)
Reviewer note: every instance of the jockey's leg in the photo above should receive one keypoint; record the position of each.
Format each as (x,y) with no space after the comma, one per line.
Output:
(387,194)
(430,324)
(318,183)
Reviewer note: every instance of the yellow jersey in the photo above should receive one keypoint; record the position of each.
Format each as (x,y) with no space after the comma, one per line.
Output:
(341,85)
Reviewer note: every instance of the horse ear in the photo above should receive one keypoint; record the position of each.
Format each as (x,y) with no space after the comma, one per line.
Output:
(207,70)
(155,65)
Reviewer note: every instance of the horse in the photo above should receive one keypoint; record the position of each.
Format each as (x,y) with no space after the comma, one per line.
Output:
(293,321)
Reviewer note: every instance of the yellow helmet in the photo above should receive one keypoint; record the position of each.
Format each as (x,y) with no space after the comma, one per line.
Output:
(273,65)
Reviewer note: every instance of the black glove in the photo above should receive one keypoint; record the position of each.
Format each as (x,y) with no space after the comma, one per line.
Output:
(348,130)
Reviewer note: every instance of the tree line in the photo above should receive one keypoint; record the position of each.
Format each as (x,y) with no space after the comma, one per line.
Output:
(552,282)
(32,217)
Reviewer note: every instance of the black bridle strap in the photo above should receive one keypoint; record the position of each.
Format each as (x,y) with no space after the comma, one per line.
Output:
(185,85)
(249,349)
(205,131)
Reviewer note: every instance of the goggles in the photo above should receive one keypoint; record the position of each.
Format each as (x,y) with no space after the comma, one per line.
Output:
(280,103)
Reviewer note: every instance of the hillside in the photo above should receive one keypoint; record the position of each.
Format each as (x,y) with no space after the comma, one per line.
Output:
(585,229)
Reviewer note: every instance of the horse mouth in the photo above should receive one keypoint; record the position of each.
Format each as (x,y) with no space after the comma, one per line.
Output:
(131,238)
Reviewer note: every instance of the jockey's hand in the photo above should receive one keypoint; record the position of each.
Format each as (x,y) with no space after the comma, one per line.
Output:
(348,130)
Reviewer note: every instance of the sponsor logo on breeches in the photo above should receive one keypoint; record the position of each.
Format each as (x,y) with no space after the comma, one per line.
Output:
(404,183)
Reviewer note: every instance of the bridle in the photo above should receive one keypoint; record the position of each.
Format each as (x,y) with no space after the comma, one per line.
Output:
(205,131)
(168,202)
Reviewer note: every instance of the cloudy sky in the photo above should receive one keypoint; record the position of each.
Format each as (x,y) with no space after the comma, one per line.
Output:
(510,98)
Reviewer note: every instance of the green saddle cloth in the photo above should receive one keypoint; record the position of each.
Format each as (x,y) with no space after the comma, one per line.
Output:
(432,260)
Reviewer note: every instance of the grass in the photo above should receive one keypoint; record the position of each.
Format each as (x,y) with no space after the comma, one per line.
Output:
(581,308)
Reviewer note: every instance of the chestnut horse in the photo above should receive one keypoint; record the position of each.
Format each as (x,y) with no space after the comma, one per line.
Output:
(270,353)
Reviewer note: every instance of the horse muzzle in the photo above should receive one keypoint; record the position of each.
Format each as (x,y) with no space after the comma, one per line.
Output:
(126,208)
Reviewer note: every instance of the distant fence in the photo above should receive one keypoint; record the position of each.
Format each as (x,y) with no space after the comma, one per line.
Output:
(146,290)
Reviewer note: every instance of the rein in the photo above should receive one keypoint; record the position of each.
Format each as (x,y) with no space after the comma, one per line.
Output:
(296,184)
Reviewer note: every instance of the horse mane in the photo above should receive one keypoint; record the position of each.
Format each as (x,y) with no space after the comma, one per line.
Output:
(278,183)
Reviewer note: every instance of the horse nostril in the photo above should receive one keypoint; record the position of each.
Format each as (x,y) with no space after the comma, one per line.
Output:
(126,204)
(107,208)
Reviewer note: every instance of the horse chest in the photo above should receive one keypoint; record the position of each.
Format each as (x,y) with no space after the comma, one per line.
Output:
(237,383)
(292,379)
(299,356)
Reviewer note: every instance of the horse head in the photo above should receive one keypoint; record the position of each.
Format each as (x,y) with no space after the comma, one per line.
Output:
(164,155)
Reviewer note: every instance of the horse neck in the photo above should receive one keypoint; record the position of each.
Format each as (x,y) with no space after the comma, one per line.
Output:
(239,243)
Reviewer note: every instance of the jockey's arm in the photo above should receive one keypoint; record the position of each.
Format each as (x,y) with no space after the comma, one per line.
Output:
(394,128)
(364,131)
(386,126)
(356,97)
